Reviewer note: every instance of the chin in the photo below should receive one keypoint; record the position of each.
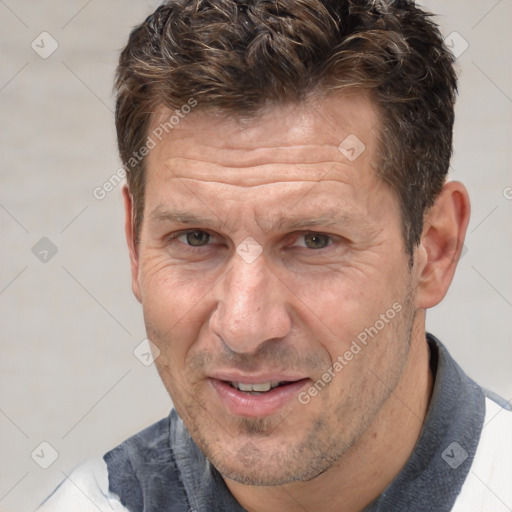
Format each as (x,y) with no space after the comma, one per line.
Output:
(261,476)
(265,462)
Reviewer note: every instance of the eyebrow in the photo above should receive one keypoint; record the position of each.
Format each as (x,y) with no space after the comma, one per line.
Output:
(182,217)
(330,218)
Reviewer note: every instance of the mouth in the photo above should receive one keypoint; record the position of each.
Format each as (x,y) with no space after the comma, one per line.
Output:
(256,399)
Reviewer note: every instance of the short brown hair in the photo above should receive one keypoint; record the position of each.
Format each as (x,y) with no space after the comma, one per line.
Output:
(237,55)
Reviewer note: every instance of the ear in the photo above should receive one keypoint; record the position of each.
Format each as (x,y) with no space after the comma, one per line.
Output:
(130,240)
(442,242)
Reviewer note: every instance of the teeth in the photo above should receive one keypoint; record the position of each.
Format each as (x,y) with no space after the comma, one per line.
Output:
(263,387)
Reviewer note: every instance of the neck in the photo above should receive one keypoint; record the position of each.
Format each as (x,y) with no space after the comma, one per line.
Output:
(372,463)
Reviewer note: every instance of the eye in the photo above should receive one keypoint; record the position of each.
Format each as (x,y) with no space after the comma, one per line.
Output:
(195,238)
(315,240)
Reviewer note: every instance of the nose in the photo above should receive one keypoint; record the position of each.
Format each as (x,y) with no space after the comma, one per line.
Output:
(251,306)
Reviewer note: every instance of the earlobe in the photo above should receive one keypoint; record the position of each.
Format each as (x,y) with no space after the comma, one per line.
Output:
(442,243)
(131,241)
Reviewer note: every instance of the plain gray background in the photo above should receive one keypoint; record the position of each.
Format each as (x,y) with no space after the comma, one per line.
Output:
(69,325)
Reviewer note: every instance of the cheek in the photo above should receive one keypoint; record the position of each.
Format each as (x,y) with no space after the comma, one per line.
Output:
(174,308)
(167,292)
(360,314)
(338,302)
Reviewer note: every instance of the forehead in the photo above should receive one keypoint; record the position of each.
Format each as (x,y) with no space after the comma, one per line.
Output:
(296,139)
(322,148)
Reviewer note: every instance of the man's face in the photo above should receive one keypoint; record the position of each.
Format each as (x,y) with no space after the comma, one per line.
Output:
(269,256)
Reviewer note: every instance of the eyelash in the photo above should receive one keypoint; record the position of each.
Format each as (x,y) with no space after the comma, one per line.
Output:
(177,234)
(174,236)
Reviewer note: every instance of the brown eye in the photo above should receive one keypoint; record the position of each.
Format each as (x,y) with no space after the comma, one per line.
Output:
(197,238)
(316,241)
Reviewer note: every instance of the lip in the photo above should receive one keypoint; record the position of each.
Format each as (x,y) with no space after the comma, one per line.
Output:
(239,403)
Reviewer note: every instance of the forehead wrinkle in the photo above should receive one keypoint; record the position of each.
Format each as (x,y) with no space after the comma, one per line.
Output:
(242,157)
(270,174)
(245,165)
(176,164)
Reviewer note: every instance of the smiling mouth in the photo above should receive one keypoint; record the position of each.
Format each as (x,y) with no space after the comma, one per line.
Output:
(256,399)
